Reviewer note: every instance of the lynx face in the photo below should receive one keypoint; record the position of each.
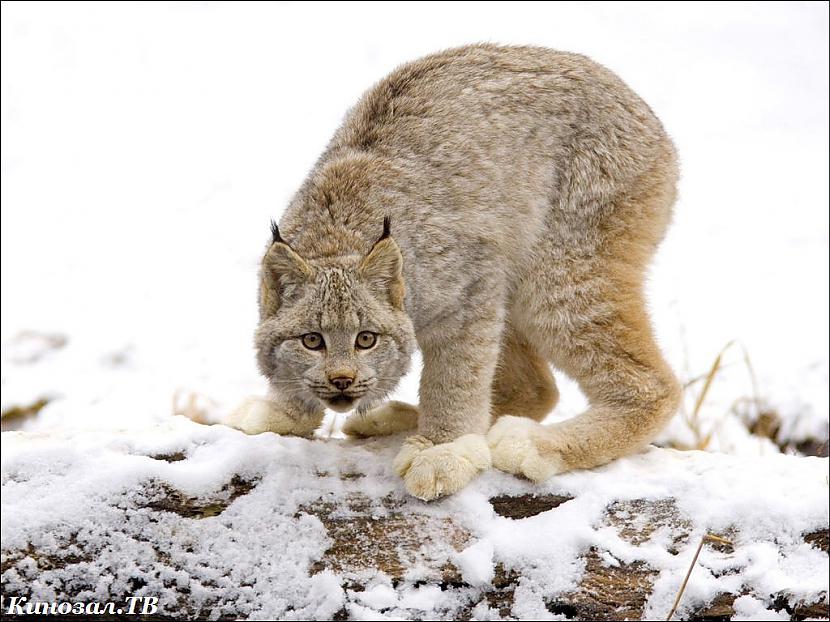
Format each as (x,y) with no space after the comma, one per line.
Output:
(335,331)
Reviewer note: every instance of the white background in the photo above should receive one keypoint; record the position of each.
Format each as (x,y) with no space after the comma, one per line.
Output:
(146,146)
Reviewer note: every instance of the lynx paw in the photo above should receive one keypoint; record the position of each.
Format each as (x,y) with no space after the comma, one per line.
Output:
(430,471)
(391,418)
(256,415)
(515,448)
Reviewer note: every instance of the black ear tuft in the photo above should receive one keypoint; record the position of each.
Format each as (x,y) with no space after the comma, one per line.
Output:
(387,227)
(387,231)
(275,234)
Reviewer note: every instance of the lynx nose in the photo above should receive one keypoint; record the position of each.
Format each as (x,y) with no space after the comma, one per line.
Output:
(341,380)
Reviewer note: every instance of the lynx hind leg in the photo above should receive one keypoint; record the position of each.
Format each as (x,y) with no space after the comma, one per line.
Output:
(390,418)
(256,415)
(631,391)
(523,385)
(584,309)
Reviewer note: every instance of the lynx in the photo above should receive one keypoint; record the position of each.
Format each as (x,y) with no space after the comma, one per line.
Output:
(497,207)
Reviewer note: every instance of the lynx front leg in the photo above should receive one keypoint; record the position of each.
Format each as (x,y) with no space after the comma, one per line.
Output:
(450,448)
(279,415)
(390,418)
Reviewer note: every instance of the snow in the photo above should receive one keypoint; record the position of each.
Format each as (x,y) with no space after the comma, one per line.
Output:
(476,563)
(378,597)
(749,608)
(88,490)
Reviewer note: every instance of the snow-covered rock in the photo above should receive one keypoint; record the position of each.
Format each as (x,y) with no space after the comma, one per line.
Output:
(218,524)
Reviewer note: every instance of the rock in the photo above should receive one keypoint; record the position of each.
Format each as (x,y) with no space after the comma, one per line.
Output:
(523,506)
(217,524)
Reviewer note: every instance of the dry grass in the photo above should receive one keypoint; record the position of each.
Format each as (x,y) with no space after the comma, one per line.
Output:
(698,424)
(707,538)
(14,417)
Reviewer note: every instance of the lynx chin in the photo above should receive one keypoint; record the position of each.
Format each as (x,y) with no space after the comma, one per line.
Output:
(495,207)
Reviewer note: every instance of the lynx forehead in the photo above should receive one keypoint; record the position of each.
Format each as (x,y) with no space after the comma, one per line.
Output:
(498,206)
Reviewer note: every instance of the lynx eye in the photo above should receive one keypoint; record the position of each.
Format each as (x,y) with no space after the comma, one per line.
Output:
(313,341)
(365,340)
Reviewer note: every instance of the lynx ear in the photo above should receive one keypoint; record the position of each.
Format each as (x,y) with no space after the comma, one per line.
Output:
(383,267)
(281,267)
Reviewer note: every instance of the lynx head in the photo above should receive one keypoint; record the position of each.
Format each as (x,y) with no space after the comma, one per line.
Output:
(334,331)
